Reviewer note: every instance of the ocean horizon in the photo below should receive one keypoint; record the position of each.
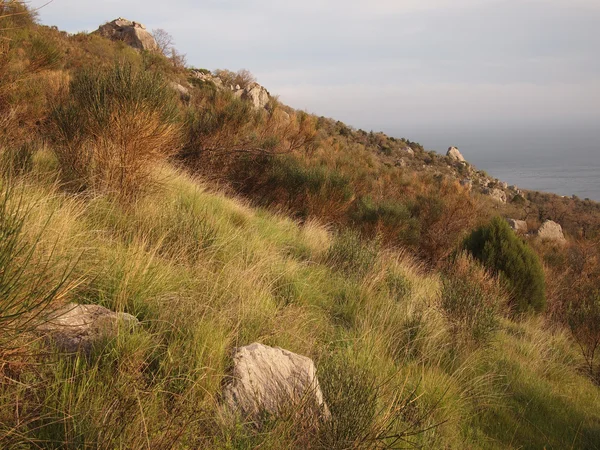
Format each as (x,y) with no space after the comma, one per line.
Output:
(559,160)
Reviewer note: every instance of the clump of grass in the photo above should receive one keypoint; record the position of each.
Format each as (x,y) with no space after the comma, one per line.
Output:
(112,129)
(28,284)
(472,300)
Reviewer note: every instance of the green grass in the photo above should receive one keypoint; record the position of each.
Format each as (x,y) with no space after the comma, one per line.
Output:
(204,273)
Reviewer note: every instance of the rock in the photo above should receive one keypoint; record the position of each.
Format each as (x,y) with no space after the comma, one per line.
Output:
(551,231)
(519,226)
(267,380)
(400,162)
(503,185)
(454,154)
(497,194)
(184,92)
(77,327)
(409,150)
(257,94)
(467,183)
(132,33)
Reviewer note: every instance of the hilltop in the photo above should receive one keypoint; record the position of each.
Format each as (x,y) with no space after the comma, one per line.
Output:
(197,216)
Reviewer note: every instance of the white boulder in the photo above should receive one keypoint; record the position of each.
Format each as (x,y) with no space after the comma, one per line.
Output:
(268,380)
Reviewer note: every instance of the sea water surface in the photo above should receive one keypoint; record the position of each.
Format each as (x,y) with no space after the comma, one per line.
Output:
(563,160)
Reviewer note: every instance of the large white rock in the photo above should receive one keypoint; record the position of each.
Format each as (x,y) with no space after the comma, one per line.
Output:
(268,380)
(551,231)
(77,327)
(519,226)
(256,94)
(454,154)
(133,34)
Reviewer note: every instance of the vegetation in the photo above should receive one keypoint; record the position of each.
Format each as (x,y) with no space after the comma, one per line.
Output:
(218,225)
(499,249)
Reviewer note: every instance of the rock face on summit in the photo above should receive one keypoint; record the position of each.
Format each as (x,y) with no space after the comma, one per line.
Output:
(267,379)
(454,154)
(256,94)
(133,34)
(77,327)
(551,231)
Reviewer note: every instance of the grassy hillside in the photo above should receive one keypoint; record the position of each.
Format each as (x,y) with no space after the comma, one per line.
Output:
(218,225)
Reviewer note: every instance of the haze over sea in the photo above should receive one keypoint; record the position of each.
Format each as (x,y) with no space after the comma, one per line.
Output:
(561,159)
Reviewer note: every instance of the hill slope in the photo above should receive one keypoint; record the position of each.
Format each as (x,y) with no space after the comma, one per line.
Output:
(233,224)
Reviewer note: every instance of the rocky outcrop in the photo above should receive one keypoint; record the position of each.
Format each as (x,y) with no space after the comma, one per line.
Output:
(77,327)
(518,226)
(133,34)
(409,150)
(268,380)
(496,194)
(254,92)
(551,231)
(455,155)
(184,93)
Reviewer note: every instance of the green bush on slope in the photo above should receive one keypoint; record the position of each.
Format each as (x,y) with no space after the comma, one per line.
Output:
(501,251)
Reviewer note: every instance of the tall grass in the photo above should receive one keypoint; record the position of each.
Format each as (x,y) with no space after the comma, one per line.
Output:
(112,129)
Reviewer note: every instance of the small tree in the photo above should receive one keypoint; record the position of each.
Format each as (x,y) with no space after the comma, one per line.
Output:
(502,252)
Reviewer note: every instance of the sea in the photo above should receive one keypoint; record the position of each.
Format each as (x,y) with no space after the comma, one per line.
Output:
(562,160)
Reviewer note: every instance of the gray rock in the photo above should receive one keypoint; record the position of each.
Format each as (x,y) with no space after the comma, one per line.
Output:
(132,33)
(256,94)
(467,183)
(409,150)
(503,185)
(77,327)
(454,154)
(519,226)
(184,92)
(551,231)
(266,379)
(497,194)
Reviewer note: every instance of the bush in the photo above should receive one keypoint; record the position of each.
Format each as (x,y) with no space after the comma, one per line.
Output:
(501,251)
(471,300)
(113,127)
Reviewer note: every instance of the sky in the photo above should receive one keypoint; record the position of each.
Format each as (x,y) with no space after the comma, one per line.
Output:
(412,68)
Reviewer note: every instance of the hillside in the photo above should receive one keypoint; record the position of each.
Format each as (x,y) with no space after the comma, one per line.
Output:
(217,217)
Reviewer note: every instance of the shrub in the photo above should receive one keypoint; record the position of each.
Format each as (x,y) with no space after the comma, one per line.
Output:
(584,323)
(27,284)
(472,300)
(351,255)
(113,127)
(501,251)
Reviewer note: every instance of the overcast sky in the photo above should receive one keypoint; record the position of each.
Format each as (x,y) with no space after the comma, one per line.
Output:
(407,67)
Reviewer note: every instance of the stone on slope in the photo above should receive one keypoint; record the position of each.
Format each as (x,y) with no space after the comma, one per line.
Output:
(184,93)
(268,380)
(519,226)
(551,231)
(77,327)
(496,194)
(454,154)
(256,94)
(133,34)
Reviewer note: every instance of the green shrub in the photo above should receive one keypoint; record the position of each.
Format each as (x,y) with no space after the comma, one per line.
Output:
(501,251)
(113,127)
(350,254)
(471,300)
